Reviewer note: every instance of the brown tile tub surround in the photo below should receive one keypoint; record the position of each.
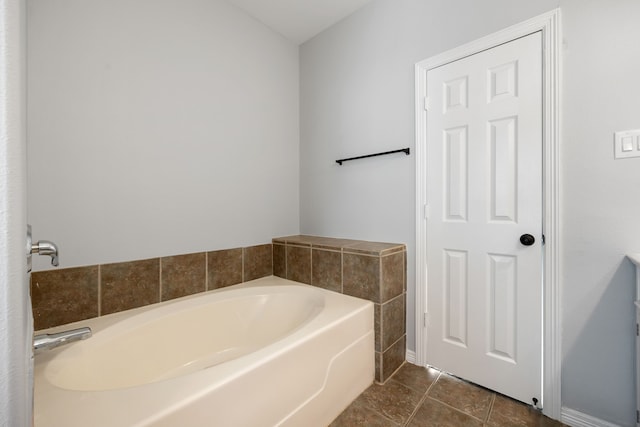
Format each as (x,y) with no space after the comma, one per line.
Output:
(71,294)
(225,268)
(370,270)
(127,285)
(326,269)
(64,296)
(257,262)
(298,261)
(183,275)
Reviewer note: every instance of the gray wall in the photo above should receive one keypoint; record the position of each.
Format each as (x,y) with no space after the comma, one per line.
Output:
(158,127)
(357,94)
(183,117)
(601,206)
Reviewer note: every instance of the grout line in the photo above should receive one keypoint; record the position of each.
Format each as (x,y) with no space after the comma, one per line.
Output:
(427,396)
(457,409)
(99,290)
(341,271)
(242,263)
(159,279)
(381,335)
(415,410)
(311,265)
(370,255)
(380,282)
(373,409)
(422,399)
(493,400)
(369,408)
(404,273)
(286,259)
(391,345)
(206,271)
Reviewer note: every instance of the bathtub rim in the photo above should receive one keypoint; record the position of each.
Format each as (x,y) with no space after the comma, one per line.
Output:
(63,360)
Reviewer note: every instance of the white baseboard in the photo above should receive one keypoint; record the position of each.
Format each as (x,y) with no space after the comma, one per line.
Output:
(574,418)
(410,356)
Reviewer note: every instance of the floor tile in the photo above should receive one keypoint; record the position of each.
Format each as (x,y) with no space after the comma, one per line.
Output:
(359,414)
(436,414)
(466,397)
(393,400)
(507,412)
(548,422)
(416,377)
(421,397)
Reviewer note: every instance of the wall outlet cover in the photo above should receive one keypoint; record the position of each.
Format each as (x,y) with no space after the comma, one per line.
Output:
(626,144)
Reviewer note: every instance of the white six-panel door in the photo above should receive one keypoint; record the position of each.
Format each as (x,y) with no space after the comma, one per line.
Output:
(484,191)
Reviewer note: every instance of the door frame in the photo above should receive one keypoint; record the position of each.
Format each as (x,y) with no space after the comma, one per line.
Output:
(550,26)
(16,321)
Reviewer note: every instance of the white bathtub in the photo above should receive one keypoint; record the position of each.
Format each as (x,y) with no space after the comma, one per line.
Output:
(263,353)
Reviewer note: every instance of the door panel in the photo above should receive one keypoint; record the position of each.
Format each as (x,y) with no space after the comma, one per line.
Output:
(484,190)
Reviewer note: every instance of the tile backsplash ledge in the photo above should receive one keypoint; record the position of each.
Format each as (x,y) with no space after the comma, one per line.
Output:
(369,270)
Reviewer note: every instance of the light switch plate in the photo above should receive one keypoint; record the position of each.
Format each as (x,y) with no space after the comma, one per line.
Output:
(626,144)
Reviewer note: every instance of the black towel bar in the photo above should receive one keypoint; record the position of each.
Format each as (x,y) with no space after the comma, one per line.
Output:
(402,150)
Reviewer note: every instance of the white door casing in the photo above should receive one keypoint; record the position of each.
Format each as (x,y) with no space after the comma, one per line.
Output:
(16,320)
(549,26)
(484,190)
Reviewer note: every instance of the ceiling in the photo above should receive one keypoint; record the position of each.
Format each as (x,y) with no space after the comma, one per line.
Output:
(299,20)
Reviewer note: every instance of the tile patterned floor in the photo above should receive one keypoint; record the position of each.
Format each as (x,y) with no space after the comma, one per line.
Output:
(424,397)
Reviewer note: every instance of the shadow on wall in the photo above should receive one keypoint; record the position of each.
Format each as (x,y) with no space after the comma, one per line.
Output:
(611,339)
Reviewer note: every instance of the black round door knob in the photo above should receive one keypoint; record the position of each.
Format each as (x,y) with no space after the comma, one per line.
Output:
(527,239)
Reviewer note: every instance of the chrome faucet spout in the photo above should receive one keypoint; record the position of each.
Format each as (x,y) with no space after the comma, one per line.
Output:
(48,341)
(45,247)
